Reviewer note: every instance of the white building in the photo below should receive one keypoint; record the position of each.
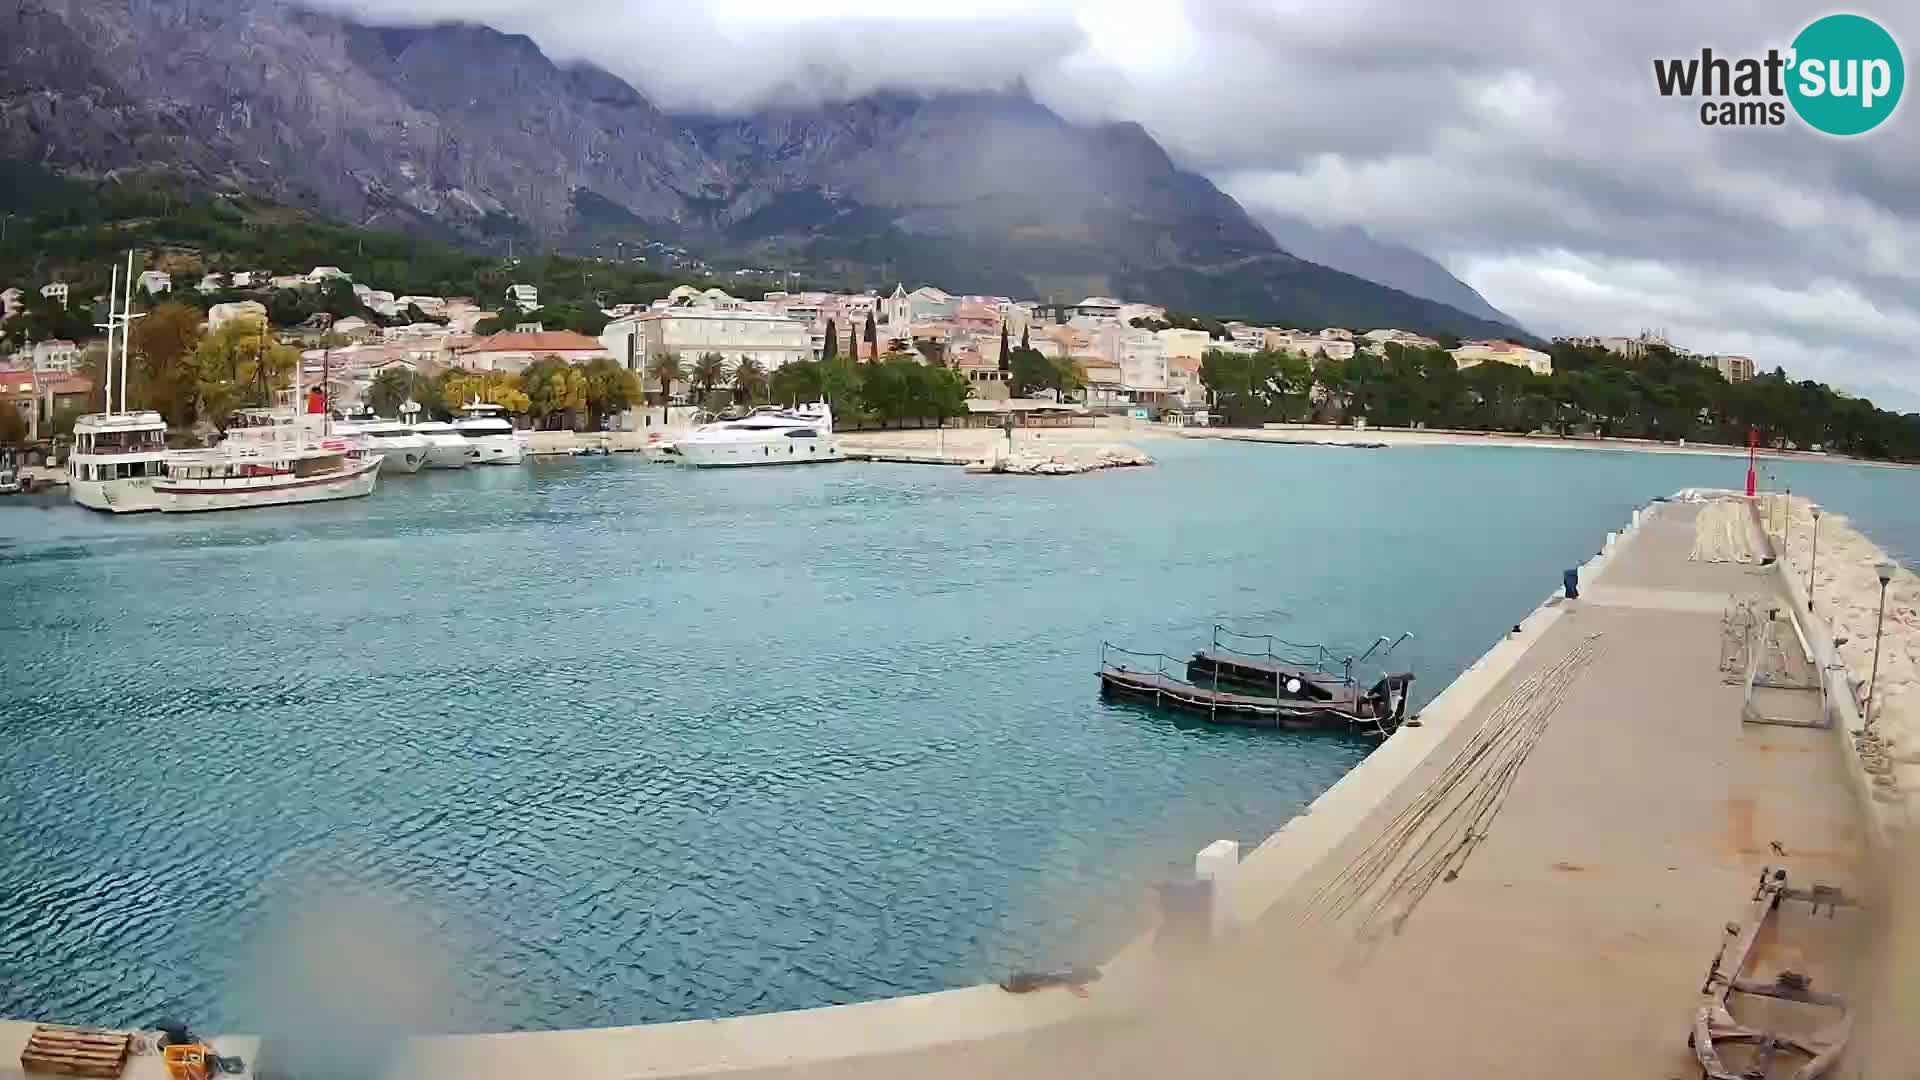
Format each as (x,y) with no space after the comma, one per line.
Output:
(1185,344)
(211,283)
(1097,311)
(10,303)
(1474,353)
(927,302)
(289,281)
(524,297)
(55,357)
(696,323)
(243,279)
(220,314)
(320,274)
(155,282)
(1731,368)
(428,305)
(55,290)
(1143,366)
(1130,312)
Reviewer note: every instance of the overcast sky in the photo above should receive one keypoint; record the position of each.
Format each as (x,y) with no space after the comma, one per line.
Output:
(1520,142)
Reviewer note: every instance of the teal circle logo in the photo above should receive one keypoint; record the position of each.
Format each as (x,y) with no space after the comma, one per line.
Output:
(1847,74)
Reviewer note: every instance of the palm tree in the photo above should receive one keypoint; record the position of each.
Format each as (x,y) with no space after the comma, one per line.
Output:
(665,370)
(708,372)
(749,382)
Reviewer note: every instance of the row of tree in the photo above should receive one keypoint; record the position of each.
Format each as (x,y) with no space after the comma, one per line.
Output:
(895,389)
(1660,396)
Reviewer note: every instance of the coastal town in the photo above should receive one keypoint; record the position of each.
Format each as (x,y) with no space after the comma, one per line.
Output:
(1094,355)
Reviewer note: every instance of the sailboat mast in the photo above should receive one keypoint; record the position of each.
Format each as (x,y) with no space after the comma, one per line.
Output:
(127,335)
(106,371)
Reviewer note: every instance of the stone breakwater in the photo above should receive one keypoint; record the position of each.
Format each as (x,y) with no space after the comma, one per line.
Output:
(1846,594)
(1061,461)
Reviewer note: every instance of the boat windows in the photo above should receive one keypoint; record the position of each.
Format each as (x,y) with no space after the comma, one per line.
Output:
(803,433)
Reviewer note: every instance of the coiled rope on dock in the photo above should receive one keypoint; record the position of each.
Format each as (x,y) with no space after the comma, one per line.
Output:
(1432,837)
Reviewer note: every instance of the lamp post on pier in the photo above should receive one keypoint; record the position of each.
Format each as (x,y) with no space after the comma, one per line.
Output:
(1814,559)
(1885,572)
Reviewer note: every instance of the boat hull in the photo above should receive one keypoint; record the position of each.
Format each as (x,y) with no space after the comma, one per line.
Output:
(133,495)
(744,454)
(347,484)
(449,452)
(494,450)
(399,456)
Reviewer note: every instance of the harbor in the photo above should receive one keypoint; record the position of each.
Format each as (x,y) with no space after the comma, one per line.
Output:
(1369,896)
(1650,680)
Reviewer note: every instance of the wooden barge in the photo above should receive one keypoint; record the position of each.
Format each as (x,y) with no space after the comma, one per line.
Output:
(1227,687)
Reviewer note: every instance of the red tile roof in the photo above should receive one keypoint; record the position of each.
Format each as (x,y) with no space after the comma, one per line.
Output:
(545,341)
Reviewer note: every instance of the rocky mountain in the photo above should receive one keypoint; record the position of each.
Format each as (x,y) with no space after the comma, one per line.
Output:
(468,132)
(1356,251)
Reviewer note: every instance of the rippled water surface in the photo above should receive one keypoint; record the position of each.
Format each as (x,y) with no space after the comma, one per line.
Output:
(630,743)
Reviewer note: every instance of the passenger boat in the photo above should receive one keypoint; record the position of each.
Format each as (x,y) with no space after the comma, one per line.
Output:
(490,437)
(117,454)
(767,436)
(270,457)
(116,460)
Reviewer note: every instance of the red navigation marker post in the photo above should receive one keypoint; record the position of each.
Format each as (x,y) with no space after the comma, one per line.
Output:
(1753,440)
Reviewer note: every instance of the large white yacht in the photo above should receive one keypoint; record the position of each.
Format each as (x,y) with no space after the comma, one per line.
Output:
(115,460)
(446,448)
(117,454)
(490,437)
(270,457)
(766,436)
(405,450)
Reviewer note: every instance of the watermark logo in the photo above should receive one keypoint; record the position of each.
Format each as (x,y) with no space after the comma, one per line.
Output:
(1842,75)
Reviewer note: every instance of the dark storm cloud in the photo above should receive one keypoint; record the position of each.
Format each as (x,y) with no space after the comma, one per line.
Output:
(1521,142)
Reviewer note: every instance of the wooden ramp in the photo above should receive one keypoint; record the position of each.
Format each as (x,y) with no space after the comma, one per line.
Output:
(75,1051)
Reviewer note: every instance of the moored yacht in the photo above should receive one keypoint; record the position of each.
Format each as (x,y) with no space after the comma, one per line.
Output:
(117,454)
(490,437)
(766,436)
(405,450)
(446,448)
(115,461)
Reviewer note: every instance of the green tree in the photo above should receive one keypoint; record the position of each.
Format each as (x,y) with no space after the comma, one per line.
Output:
(611,388)
(501,388)
(749,382)
(554,388)
(832,347)
(1006,360)
(709,371)
(665,370)
(798,382)
(390,389)
(238,366)
(165,374)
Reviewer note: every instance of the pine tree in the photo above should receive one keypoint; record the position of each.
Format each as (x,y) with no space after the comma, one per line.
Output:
(833,342)
(873,338)
(1005,360)
(1024,344)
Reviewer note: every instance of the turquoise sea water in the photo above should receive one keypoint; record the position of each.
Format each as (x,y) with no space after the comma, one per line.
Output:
(627,743)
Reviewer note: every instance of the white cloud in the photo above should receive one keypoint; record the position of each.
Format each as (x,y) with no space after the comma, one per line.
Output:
(1520,142)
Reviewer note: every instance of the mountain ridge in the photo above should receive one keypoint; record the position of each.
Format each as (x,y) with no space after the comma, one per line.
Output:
(391,126)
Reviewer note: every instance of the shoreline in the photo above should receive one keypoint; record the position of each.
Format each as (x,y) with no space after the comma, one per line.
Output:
(1324,435)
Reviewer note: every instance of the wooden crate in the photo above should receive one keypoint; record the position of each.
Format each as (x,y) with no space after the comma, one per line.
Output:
(75,1051)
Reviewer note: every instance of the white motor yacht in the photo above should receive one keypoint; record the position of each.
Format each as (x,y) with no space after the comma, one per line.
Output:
(405,450)
(115,461)
(766,436)
(446,448)
(490,437)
